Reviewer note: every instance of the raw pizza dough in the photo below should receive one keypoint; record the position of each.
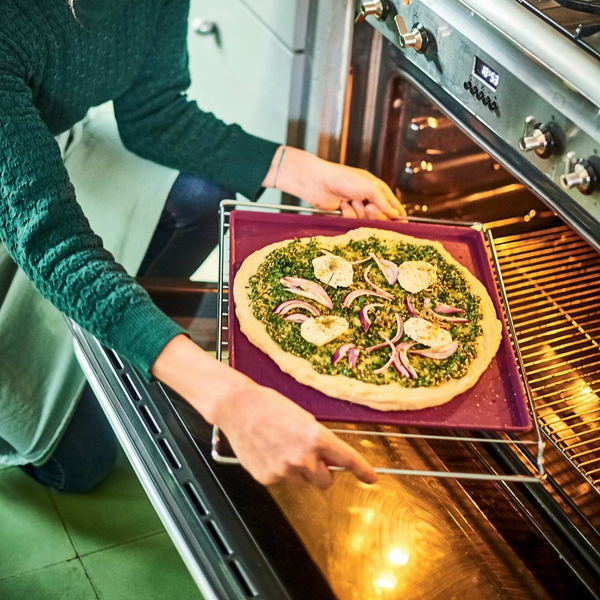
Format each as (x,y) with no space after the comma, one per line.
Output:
(381,397)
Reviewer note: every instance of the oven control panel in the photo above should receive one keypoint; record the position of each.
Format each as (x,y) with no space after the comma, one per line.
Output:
(549,132)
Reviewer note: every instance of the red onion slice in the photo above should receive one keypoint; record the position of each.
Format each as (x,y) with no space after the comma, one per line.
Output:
(401,361)
(363,315)
(352,296)
(349,350)
(388,268)
(431,314)
(353,356)
(288,305)
(410,307)
(308,289)
(446,309)
(296,318)
(438,353)
(396,338)
(391,359)
(381,291)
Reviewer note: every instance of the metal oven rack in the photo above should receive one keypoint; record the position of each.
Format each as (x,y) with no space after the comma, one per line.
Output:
(532,447)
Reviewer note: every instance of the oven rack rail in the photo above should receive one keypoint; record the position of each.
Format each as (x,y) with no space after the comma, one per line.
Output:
(535,447)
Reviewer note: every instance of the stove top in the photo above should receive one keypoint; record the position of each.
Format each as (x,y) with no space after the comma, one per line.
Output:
(576,19)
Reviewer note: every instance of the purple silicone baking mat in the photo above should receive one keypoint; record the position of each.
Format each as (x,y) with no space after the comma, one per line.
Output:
(497,400)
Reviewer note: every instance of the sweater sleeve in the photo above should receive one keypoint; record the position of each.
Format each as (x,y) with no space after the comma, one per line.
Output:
(48,236)
(158,122)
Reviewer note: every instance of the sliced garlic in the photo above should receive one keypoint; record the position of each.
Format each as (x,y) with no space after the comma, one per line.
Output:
(426,333)
(322,330)
(416,275)
(333,270)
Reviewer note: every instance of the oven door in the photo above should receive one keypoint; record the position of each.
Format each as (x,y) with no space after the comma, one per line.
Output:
(401,538)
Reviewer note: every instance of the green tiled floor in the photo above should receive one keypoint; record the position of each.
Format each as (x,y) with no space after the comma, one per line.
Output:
(106,545)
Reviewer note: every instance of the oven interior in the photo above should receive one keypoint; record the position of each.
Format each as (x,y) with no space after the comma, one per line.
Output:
(552,275)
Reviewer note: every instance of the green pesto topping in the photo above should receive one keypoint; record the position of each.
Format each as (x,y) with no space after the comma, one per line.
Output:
(295,260)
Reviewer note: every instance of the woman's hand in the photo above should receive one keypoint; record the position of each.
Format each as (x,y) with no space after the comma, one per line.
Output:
(326,185)
(273,438)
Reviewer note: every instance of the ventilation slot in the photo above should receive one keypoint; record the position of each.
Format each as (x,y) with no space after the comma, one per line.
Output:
(218,538)
(170,457)
(149,420)
(115,361)
(195,499)
(243,580)
(128,382)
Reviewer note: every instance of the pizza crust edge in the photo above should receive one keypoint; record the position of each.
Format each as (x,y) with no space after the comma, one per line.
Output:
(380,397)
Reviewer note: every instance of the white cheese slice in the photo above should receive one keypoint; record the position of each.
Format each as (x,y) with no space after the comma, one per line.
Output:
(333,270)
(322,330)
(426,333)
(416,275)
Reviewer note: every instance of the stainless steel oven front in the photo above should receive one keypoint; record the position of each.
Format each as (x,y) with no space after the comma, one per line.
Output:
(525,97)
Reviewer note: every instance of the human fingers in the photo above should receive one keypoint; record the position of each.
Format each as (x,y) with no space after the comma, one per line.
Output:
(393,199)
(336,452)
(374,213)
(380,194)
(323,200)
(319,475)
(359,209)
(347,210)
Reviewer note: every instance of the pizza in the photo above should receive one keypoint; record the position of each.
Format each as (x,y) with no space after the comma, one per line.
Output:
(373,317)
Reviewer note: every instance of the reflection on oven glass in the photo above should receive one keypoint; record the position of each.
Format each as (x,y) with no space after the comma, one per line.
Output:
(435,168)
(394,539)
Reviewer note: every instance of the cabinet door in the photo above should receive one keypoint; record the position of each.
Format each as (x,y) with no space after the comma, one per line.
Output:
(241,71)
(288,19)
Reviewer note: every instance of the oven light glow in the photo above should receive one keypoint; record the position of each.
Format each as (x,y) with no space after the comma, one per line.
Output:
(386,581)
(357,542)
(398,556)
(368,515)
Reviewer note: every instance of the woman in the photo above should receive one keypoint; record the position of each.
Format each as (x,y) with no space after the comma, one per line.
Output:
(58,61)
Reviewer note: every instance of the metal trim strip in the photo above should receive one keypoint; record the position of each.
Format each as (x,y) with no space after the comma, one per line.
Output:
(137,464)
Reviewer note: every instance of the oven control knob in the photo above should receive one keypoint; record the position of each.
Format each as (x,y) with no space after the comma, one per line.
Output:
(377,8)
(580,174)
(537,138)
(417,38)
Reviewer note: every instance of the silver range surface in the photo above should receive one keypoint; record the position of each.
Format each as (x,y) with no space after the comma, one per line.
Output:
(531,94)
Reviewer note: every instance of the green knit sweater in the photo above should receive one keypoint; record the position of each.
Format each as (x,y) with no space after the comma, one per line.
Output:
(54,66)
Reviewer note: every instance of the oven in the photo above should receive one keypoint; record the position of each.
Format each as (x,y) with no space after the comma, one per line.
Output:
(470,110)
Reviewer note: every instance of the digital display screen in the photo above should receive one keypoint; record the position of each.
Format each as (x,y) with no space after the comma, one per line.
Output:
(486,73)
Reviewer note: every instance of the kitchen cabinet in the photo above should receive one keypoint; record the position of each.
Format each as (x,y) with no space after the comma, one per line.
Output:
(288,19)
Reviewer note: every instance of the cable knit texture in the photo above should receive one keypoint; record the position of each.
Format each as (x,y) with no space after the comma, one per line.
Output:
(54,67)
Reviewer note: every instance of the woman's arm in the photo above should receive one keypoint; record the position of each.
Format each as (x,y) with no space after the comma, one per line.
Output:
(48,236)
(295,447)
(329,186)
(158,122)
